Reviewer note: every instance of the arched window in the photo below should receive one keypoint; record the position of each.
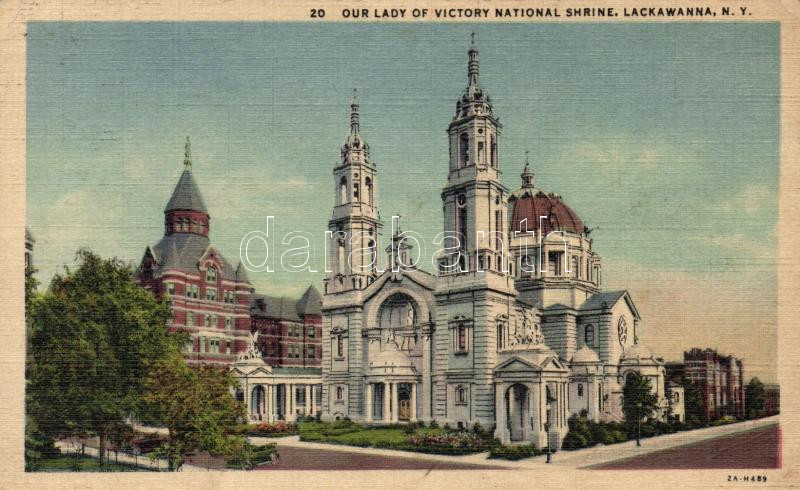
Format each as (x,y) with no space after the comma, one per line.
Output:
(372,255)
(463,148)
(493,151)
(343,190)
(501,335)
(462,337)
(461,395)
(368,183)
(580,389)
(211,274)
(339,393)
(355,191)
(677,397)
(340,259)
(339,346)
(589,335)
(574,267)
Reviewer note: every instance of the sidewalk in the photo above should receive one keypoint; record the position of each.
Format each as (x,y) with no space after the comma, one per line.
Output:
(574,459)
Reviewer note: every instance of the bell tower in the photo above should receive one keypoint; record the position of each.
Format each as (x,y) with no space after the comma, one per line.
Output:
(355,223)
(474,199)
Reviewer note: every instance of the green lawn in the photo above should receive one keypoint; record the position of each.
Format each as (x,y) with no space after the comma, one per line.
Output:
(72,462)
(394,437)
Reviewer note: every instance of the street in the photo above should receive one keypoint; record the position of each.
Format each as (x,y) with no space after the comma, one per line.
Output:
(758,448)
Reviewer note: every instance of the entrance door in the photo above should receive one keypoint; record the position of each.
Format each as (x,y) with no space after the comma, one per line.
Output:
(403,401)
(517,403)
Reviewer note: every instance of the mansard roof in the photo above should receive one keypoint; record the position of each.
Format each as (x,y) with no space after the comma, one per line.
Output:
(186,195)
(183,251)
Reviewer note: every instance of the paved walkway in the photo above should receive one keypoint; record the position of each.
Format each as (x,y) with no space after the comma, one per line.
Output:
(574,459)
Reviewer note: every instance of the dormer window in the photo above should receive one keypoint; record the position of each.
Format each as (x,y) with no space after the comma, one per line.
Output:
(211,274)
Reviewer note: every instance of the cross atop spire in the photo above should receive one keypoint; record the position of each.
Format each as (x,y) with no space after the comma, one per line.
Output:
(187,155)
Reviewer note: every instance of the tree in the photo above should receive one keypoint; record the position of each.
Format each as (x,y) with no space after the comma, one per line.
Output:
(198,408)
(693,403)
(754,397)
(95,336)
(638,401)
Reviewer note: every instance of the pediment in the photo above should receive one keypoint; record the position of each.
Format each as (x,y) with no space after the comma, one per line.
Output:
(413,279)
(515,364)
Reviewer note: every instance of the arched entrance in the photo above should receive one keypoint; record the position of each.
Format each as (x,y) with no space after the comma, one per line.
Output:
(516,410)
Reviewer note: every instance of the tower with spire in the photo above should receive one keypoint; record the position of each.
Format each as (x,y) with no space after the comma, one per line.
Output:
(355,222)
(474,198)
(209,296)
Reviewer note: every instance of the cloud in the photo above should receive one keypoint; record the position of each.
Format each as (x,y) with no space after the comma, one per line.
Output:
(751,200)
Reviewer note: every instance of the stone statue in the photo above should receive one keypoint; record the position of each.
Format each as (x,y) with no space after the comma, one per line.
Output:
(253,351)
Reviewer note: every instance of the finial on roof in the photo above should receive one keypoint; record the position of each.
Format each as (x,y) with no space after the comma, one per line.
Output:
(187,155)
(472,67)
(354,114)
(527,174)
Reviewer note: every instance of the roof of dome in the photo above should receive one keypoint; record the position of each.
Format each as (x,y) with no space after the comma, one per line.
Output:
(585,355)
(529,204)
(638,351)
(186,195)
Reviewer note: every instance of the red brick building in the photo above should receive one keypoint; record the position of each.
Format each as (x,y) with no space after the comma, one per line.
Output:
(772,399)
(290,330)
(210,297)
(719,378)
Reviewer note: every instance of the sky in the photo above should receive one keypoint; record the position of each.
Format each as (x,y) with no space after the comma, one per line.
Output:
(663,138)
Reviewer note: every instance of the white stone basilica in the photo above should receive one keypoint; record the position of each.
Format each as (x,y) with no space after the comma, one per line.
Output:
(512,335)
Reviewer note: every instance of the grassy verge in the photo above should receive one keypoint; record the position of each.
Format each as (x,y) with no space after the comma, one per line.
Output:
(73,462)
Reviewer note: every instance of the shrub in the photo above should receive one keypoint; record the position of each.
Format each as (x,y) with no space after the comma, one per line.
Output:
(573,441)
(723,421)
(477,428)
(453,439)
(433,425)
(446,427)
(514,452)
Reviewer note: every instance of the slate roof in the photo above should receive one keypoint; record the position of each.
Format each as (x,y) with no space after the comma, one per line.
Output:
(597,300)
(285,308)
(182,251)
(186,195)
(310,303)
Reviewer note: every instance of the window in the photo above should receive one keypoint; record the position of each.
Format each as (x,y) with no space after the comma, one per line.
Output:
(501,335)
(214,321)
(461,395)
(462,337)
(480,152)
(228,322)
(189,319)
(339,346)
(229,348)
(464,150)
(311,352)
(493,152)
(339,393)
(676,397)
(170,288)
(312,332)
(343,190)
(580,389)
(589,335)
(211,294)
(368,183)
(211,274)
(574,266)
(355,191)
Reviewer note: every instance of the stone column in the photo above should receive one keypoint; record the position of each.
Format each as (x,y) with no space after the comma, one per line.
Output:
(270,402)
(307,408)
(386,393)
(368,406)
(427,391)
(413,402)
(394,402)
(313,400)
(286,406)
(499,413)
